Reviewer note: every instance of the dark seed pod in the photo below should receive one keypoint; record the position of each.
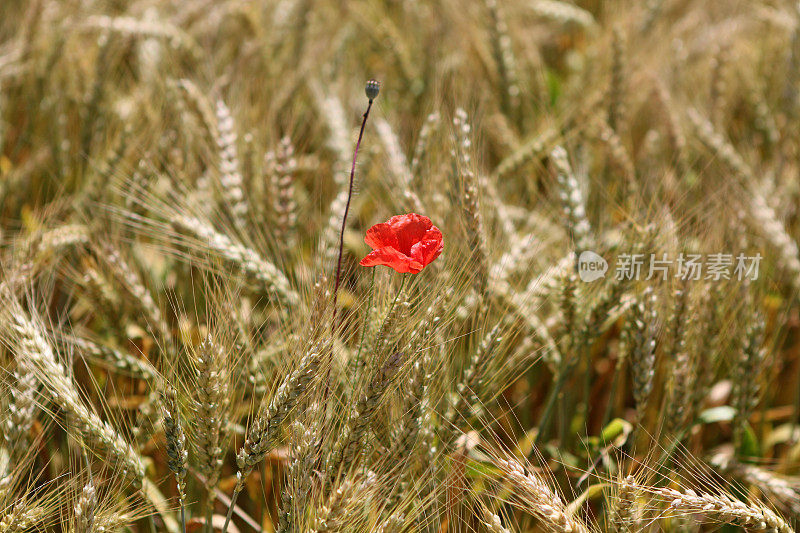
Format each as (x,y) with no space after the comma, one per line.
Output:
(372,89)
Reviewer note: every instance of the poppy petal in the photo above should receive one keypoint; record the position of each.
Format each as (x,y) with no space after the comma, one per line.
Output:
(381,236)
(391,257)
(433,234)
(427,251)
(400,220)
(409,229)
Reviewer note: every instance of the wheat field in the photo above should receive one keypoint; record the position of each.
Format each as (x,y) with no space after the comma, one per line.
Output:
(399,266)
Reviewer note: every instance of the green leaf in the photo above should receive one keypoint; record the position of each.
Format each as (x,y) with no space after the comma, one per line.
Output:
(750,447)
(477,469)
(553,86)
(616,432)
(525,445)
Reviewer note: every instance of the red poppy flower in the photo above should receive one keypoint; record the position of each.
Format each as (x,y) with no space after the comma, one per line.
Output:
(407,243)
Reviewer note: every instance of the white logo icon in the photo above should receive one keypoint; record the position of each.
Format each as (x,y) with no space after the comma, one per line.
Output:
(591,266)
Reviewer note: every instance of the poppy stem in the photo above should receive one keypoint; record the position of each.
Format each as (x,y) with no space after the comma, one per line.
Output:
(396,297)
(327,392)
(366,320)
(344,217)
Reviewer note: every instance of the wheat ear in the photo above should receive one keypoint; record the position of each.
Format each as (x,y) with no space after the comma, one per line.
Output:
(421,150)
(747,375)
(122,361)
(30,343)
(466,402)
(504,59)
(132,282)
(723,507)
(539,499)
(774,487)
(230,175)
(20,517)
(572,201)
(262,435)
(348,446)
(622,515)
(468,192)
(252,264)
(764,218)
(533,148)
(21,411)
(617,89)
(176,446)
(284,167)
(210,406)
(640,343)
(85,509)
